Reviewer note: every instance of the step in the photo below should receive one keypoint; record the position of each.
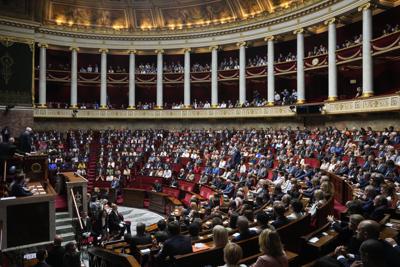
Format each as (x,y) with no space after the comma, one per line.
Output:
(65,221)
(63,229)
(62,215)
(68,237)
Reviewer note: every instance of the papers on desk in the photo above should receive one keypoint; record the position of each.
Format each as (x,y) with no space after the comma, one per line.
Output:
(236,234)
(389,224)
(145,251)
(199,246)
(313,240)
(253,228)
(7,198)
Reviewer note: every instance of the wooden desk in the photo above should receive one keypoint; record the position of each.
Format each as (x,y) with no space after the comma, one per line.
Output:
(158,202)
(134,197)
(323,239)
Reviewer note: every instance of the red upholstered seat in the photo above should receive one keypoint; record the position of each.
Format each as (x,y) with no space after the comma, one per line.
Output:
(173,192)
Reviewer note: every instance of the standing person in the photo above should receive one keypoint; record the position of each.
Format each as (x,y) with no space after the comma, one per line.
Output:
(56,253)
(25,140)
(71,257)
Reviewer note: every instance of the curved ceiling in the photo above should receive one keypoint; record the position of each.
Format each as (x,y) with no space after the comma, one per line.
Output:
(144,15)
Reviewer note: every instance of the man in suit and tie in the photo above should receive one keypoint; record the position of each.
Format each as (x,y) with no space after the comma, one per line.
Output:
(176,244)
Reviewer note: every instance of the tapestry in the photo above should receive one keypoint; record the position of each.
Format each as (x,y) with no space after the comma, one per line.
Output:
(15,73)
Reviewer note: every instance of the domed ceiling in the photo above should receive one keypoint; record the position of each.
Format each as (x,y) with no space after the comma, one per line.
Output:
(144,15)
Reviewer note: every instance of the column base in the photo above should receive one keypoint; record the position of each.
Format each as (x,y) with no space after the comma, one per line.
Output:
(270,104)
(214,105)
(367,94)
(187,106)
(103,107)
(332,98)
(300,101)
(158,107)
(131,107)
(73,106)
(41,106)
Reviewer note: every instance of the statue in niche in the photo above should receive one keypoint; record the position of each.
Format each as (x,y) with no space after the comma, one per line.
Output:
(103,17)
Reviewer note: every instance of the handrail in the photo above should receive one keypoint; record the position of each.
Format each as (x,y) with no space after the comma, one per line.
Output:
(76,209)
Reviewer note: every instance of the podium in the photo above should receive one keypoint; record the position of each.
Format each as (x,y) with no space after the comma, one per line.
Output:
(76,185)
(28,221)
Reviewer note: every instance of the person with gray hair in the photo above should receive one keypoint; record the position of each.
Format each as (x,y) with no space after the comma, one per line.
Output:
(244,231)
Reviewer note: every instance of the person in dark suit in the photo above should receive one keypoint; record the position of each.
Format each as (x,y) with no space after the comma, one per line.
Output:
(25,140)
(161,235)
(41,256)
(177,244)
(280,218)
(380,207)
(56,253)
(141,237)
(115,222)
(18,189)
(71,257)
(244,231)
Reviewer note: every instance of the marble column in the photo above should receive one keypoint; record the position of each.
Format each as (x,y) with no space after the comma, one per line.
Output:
(132,69)
(42,75)
(74,77)
(332,69)
(214,76)
(300,66)
(270,70)
(242,72)
(159,104)
(103,78)
(186,84)
(367,64)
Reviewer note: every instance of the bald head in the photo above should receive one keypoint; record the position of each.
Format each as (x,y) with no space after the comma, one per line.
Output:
(58,240)
(368,229)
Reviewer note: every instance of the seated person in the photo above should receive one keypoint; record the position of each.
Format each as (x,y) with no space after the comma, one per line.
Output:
(280,218)
(297,210)
(262,222)
(194,229)
(161,235)
(271,246)
(233,253)
(176,244)
(141,237)
(18,188)
(220,236)
(244,231)
(41,256)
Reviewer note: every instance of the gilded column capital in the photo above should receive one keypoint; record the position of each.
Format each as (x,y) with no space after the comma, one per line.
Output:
(213,47)
(301,30)
(269,38)
(240,44)
(74,48)
(159,51)
(187,49)
(103,50)
(41,45)
(330,21)
(364,7)
(132,51)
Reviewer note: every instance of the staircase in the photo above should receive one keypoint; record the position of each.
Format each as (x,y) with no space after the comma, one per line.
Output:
(93,159)
(65,227)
